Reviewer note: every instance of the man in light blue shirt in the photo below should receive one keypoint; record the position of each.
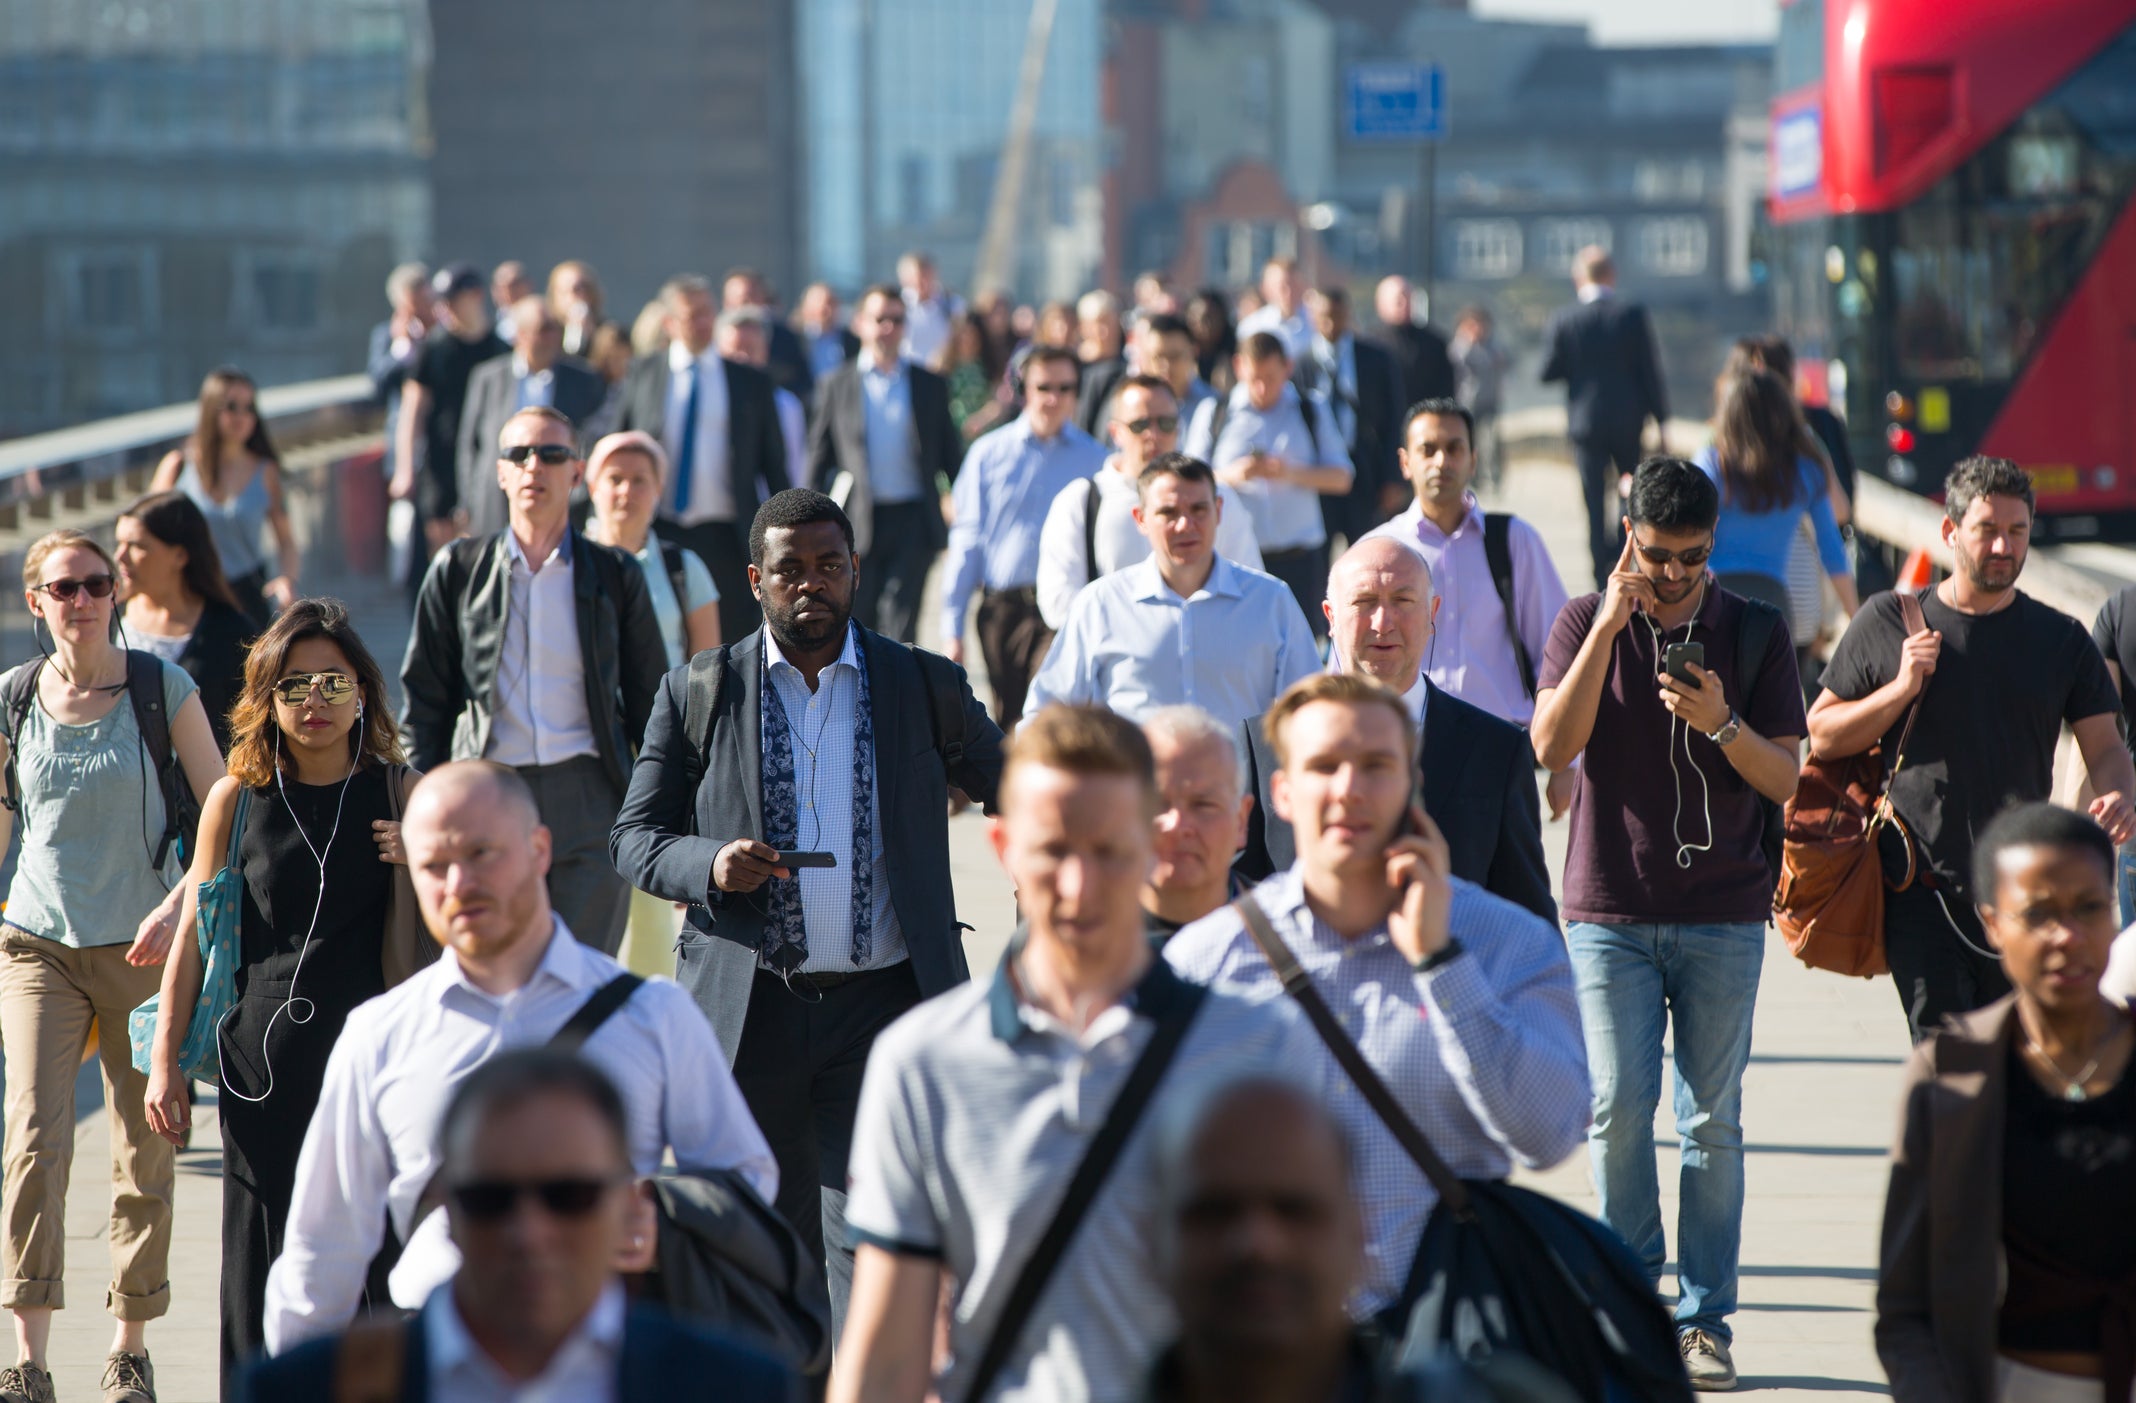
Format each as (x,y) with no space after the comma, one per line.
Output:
(1008,482)
(1184,627)
(1283,453)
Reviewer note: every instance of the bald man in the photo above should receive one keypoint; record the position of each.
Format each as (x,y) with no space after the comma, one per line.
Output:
(511,976)
(1477,772)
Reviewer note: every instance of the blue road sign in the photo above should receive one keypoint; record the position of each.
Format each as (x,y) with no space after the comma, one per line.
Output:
(1389,100)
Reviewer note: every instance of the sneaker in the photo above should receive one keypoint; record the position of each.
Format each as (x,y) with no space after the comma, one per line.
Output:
(129,1378)
(26,1383)
(1706,1361)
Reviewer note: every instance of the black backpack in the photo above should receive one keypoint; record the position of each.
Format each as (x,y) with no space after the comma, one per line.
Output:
(144,688)
(1498,552)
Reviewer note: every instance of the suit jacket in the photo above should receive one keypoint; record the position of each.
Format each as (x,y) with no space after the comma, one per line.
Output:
(1379,409)
(576,391)
(838,442)
(1099,380)
(1426,366)
(449,676)
(1604,352)
(1479,787)
(662,1359)
(787,363)
(665,837)
(756,445)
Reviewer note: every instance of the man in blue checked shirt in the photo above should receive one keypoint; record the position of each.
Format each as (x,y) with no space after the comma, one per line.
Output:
(1008,483)
(1462,1001)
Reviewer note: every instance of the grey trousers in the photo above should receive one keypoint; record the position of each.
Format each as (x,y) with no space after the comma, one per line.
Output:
(578,802)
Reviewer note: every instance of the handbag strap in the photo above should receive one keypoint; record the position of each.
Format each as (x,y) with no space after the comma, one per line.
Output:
(1299,985)
(1090,1175)
(1913,620)
(594,1012)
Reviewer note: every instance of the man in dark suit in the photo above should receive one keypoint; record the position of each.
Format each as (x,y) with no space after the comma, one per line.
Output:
(536,1169)
(1602,348)
(719,423)
(818,736)
(1364,388)
(1478,771)
(536,372)
(881,437)
(787,361)
(1420,349)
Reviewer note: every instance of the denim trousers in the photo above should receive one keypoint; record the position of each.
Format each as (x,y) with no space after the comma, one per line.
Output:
(1635,981)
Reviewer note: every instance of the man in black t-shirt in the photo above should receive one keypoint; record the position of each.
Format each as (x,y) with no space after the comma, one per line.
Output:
(432,397)
(2114,632)
(2002,673)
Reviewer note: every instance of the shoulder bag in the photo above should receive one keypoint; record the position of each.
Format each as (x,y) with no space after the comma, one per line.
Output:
(220,914)
(1829,902)
(407,946)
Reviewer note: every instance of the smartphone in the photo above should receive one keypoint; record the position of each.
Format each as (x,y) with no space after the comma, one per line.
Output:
(808,859)
(1677,659)
(1407,828)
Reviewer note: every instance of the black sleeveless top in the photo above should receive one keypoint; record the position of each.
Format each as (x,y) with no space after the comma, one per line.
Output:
(342,967)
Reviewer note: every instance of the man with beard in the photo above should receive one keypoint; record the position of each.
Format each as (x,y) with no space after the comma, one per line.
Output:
(794,788)
(1666,883)
(1995,674)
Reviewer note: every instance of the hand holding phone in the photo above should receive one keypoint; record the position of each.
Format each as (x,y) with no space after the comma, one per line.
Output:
(808,859)
(1677,659)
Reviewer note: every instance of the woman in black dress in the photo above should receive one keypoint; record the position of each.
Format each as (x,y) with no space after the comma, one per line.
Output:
(316,776)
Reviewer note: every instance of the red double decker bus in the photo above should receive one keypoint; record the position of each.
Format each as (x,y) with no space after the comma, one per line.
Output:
(1953,250)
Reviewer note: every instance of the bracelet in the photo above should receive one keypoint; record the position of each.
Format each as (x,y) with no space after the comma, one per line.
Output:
(1438,957)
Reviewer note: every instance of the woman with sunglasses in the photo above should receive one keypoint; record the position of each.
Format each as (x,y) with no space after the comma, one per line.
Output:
(90,915)
(230,469)
(317,760)
(178,605)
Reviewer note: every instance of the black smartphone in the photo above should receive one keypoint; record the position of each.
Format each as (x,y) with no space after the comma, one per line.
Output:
(1407,828)
(808,859)
(1677,658)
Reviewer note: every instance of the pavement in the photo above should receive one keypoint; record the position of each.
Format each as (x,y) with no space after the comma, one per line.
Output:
(1819,1106)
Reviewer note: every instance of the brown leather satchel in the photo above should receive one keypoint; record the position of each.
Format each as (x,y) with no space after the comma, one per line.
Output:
(1829,902)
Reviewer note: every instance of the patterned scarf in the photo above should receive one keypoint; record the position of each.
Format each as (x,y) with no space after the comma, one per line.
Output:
(784,926)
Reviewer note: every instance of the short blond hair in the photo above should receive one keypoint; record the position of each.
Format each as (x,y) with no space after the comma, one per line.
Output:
(66,538)
(1343,689)
(1083,740)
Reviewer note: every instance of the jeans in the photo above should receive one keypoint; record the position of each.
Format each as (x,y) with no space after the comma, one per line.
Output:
(1632,980)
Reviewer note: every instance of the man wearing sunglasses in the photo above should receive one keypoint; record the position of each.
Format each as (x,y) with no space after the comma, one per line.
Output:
(882,445)
(510,977)
(1667,883)
(1004,490)
(539,649)
(537,1183)
(1090,528)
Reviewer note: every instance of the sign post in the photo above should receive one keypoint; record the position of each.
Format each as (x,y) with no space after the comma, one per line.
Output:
(1394,101)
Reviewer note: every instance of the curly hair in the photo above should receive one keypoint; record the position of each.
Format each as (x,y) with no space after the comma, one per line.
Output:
(253,727)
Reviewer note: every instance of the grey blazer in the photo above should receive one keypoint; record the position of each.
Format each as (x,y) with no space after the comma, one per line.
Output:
(665,837)
(838,442)
(576,392)
(756,446)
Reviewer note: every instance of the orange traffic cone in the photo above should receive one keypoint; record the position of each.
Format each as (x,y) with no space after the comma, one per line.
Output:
(1919,572)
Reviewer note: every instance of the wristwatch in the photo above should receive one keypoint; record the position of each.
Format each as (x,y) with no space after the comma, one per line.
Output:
(1726,736)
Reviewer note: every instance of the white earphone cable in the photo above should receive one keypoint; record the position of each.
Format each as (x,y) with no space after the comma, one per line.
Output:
(1676,778)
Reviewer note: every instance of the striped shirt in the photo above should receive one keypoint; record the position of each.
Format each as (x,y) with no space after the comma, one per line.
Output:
(1484,1052)
(974,1113)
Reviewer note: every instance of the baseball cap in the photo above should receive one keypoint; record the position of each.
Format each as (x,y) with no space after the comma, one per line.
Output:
(456,278)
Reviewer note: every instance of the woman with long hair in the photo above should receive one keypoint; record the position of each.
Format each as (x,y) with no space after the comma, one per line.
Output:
(178,605)
(230,469)
(317,774)
(89,918)
(1768,485)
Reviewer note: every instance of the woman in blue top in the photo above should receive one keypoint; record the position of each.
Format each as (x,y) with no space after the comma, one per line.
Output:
(1767,486)
(231,471)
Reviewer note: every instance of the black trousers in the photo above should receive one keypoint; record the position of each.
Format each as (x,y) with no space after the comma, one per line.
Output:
(1936,972)
(724,547)
(1601,458)
(1305,570)
(887,596)
(1013,638)
(799,1067)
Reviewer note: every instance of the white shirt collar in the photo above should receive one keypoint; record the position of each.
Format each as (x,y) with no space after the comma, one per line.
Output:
(848,656)
(1149,583)
(561,555)
(679,356)
(1417,697)
(870,365)
(522,370)
(1595,292)
(451,1347)
(564,961)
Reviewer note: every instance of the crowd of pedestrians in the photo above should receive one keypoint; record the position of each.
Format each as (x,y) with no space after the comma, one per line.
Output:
(643,902)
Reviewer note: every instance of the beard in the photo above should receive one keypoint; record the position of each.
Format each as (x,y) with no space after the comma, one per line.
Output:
(794,633)
(1991,574)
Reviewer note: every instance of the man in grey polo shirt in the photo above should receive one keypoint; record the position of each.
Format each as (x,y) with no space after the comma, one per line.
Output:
(979,1104)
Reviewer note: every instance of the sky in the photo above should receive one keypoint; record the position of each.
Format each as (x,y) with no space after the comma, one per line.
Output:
(1649,21)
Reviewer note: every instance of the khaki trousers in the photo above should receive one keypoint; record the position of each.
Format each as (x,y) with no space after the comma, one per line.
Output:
(49,992)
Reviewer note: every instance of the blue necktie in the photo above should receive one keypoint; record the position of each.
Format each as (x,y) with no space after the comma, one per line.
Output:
(686,458)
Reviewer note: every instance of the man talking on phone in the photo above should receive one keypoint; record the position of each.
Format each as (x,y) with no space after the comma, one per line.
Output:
(1667,879)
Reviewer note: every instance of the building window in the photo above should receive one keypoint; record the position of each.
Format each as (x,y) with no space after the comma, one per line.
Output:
(278,293)
(109,292)
(1486,248)
(1557,240)
(1666,181)
(1675,247)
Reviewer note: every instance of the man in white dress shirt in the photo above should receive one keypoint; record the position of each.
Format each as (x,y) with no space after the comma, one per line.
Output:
(744,335)
(511,977)
(1183,627)
(1075,547)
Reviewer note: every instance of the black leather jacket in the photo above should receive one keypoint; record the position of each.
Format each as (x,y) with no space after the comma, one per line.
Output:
(449,676)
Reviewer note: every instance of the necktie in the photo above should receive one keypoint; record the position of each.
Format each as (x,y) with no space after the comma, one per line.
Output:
(686,449)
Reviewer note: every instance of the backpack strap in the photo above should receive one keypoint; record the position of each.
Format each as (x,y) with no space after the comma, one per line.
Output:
(678,577)
(1216,424)
(1090,528)
(181,812)
(1498,551)
(1753,636)
(1310,412)
(700,707)
(1097,1163)
(601,1005)
(18,692)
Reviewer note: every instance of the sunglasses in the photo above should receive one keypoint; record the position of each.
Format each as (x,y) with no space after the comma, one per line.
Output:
(1162,423)
(99,587)
(334,687)
(490,1200)
(1690,559)
(551,454)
